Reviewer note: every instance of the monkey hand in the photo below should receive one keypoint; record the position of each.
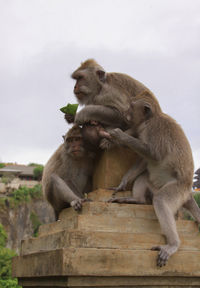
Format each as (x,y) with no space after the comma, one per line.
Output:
(105,144)
(116,135)
(77,204)
(82,117)
(69,118)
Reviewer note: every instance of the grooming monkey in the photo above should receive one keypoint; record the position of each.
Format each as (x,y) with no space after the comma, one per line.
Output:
(169,169)
(106,96)
(67,174)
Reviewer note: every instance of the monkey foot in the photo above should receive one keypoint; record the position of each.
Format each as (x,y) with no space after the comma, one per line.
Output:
(165,252)
(77,204)
(128,200)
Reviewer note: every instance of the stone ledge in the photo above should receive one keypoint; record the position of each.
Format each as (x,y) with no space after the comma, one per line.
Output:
(111,282)
(106,240)
(110,223)
(104,262)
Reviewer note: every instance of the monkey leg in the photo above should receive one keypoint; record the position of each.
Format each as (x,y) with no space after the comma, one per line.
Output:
(63,195)
(137,169)
(140,187)
(164,205)
(193,208)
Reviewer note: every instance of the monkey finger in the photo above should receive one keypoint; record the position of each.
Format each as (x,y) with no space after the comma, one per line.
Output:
(78,206)
(69,118)
(95,123)
(104,134)
(155,248)
(111,200)
(88,200)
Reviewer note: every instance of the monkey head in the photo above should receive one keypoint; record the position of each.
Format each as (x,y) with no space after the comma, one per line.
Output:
(73,142)
(89,77)
(140,112)
(91,134)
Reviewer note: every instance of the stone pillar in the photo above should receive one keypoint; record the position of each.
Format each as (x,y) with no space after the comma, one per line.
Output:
(107,244)
(111,166)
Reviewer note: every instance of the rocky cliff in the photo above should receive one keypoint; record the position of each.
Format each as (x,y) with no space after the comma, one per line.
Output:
(23,219)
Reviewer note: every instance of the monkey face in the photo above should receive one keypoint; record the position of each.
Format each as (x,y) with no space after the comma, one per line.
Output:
(88,83)
(74,146)
(82,87)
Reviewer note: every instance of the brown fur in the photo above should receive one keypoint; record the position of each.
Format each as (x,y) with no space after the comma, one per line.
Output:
(107,96)
(67,174)
(169,169)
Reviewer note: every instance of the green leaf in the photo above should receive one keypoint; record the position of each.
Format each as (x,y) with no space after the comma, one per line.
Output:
(69,109)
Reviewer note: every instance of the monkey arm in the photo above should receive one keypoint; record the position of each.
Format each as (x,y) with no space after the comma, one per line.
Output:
(63,192)
(103,114)
(121,138)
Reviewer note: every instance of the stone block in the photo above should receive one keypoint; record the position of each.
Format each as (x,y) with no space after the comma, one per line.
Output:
(108,240)
(111,166)
(104,262)
(129,221)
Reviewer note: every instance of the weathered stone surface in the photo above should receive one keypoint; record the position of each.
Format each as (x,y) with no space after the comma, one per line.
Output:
(111,209)
(112,282)
(111,167)
(130,222)
(107,244)
(104,262)
(109,240)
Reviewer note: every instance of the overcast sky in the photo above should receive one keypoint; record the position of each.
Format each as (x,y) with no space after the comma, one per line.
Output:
(43,41)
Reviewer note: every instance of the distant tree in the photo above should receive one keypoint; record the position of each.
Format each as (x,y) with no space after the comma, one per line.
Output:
(2,165)
(34,164)
(6,255)
(196,183)
(38,172)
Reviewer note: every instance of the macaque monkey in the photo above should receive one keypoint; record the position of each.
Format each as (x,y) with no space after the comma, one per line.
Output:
(167,172)
(106,96)
(67,174)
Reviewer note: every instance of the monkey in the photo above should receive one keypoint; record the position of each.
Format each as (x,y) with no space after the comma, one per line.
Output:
(67,174)
(106,97)
(168,176)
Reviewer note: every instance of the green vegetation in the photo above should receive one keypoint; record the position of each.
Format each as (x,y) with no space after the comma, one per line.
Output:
(69,109)
(197,198)
(21,195)
(35,223)
(5,180)
(38,172)
(25,194)
(34,164)
(6,256)
(2,165)
(187,215)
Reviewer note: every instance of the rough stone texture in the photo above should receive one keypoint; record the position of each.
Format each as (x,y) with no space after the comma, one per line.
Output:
(111,167)
(107,245)
(17,221)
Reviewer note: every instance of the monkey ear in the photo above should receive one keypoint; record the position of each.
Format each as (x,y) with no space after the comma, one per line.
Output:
(63,136)
(148,111)
(102,75)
